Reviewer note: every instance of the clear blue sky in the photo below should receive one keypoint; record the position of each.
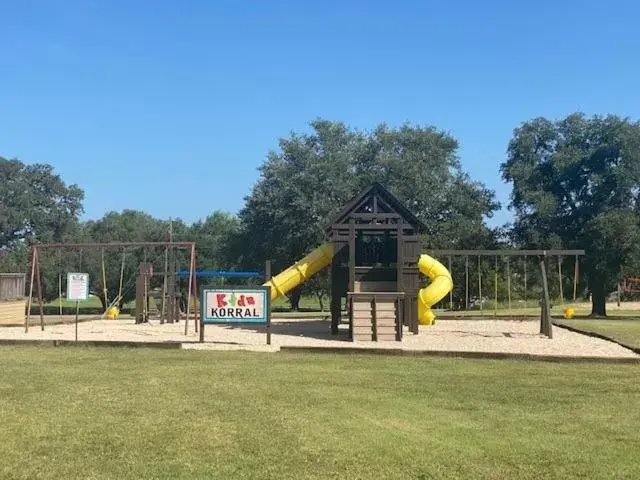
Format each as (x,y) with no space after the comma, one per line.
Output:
(131,99)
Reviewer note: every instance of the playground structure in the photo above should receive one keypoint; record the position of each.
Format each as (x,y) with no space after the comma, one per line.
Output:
(169,310)
(374,254)
(376,258)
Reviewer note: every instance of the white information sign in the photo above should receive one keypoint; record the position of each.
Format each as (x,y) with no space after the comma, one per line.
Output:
(77,286)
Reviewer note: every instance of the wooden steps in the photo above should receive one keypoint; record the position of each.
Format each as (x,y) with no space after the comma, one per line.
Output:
(376,316)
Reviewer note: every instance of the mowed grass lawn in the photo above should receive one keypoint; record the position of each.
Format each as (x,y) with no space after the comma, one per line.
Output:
(624,330)
(143,413)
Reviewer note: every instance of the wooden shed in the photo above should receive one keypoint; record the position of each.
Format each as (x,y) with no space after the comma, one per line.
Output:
(376,243)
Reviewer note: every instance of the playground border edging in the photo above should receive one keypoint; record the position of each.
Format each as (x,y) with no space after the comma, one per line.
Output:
(338,350)
(461,354)
(89,343)
(598,335)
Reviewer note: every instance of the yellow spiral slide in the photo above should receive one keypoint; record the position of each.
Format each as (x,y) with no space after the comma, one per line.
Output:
(300,271)
(441,284)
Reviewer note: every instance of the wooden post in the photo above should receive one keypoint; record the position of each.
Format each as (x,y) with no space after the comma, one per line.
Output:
(39,283)
(77,313)
(191,274)
(374,318)
(466,282)
(352,253)
(480,286)
(60,296)
(195,291)
(267,275)
(509,285)
(545,324)
(451,292)
(196,310)
(164,285)
(34,253)
(336,292)
(352,268)
(560,279)
(495,288)
(575,279)
(400,260)
(399,318)
(525,285)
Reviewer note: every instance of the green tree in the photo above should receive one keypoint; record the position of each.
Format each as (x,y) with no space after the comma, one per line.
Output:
(35,204)
(312,175)
(576,184)
(214,237)
(126,226)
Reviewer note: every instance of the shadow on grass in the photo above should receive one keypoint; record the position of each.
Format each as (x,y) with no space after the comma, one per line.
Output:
(318,329)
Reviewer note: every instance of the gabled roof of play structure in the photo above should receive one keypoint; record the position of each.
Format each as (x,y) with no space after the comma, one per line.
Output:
(376,189)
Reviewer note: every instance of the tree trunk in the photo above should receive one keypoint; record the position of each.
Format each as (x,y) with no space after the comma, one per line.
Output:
(100,295)
(598,298)
(321,302)
(294,298)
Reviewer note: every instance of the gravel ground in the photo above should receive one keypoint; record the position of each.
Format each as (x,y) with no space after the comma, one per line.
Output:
(501,336)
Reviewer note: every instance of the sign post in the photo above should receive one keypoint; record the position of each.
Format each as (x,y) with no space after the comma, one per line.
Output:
(78,290)
(236,305)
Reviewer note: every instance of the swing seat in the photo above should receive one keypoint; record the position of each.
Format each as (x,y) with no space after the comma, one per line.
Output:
(113,313)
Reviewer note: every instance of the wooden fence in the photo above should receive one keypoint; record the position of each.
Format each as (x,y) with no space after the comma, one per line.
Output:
(12,286)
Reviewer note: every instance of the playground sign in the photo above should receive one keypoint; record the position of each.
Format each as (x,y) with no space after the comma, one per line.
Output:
(236,305)
(77,286)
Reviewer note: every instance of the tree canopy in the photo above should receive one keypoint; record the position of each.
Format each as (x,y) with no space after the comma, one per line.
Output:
(576,184)
(303,185)
(35,204)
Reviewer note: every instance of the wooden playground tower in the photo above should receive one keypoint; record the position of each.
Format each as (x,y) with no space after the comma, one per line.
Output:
(376,244)
(168,299)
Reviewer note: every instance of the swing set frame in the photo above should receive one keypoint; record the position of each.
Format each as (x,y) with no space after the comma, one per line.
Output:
(36,279)
(542,255)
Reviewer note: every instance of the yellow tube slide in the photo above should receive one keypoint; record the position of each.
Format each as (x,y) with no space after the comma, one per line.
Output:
(300,271)
(441,284)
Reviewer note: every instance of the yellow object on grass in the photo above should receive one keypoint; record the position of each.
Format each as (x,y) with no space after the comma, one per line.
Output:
(441,284)
(568,312)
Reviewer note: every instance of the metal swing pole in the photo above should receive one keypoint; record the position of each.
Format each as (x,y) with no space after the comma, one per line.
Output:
(575,278)
(509,285)
(466,283)
(480,286)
